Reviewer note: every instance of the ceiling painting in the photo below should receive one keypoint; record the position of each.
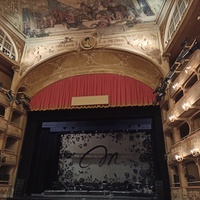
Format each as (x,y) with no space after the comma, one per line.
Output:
(45,17)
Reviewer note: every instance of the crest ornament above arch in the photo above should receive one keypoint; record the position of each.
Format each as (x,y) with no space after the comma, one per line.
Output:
(88,43)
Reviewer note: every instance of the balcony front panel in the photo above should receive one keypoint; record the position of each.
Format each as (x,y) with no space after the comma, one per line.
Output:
(193,193)
(10,159)
(3,124)
(183,148)
(186,106)
(19,108)
(4,100)
(176,193)
(14,131)
(4,191)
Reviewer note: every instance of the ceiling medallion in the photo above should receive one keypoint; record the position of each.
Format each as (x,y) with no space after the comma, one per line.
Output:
(88,43)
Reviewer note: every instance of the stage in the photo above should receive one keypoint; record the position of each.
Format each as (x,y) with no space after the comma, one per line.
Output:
(87,195)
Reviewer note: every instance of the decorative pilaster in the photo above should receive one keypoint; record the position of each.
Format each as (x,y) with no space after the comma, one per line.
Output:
(183,180)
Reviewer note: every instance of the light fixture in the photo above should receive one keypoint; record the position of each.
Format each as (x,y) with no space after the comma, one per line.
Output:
(176,85)
(179,158)
(18,100)
(195,152)
(187,69)
(172,118)
(186,106)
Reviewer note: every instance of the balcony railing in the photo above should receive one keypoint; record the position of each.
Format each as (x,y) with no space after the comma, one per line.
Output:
(183,148)
(186,106)
(186,72)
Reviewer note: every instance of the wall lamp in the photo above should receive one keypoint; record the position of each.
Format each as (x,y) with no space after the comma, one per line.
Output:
(172,118)
(176,85)
(186,106)
(179,158)
(195,152)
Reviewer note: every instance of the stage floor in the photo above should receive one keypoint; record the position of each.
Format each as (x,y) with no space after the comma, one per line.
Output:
(87,195)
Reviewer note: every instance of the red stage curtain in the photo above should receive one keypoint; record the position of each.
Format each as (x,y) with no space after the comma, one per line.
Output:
(122,91)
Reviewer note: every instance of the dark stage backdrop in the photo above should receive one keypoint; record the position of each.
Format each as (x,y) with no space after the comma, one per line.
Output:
(42,150)
(119,161)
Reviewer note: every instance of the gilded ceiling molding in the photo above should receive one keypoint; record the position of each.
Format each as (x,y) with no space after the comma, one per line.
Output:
(91,62)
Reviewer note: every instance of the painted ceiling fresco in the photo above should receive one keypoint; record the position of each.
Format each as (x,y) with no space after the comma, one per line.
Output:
(44,17)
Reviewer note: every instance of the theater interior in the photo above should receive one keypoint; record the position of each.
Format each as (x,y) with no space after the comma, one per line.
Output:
(99,99)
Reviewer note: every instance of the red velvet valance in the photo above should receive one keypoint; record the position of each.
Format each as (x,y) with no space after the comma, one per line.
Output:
(122,91)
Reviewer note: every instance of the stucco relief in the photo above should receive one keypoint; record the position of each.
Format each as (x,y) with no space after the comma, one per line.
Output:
(147,43)
(194,195)
(144,44)
(84,62)
(47,49)
(176,194)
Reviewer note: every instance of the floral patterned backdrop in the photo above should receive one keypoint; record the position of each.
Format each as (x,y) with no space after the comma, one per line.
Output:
(118,161)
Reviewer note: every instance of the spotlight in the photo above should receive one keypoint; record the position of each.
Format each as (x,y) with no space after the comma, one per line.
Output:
(187,50)
(18,100)
(27,98)
(10,95)
(26,105)
(169,75)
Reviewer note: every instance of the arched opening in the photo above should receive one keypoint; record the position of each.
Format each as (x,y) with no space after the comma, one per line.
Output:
(2,110)
(196,122)
(184,130)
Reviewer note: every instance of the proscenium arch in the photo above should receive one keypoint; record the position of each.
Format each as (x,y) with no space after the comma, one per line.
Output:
(91,62)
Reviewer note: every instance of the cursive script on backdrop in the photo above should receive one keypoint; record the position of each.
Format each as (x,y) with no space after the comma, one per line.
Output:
(106,156)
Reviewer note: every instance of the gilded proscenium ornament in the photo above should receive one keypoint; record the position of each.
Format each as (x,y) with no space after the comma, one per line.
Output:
(92,61)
